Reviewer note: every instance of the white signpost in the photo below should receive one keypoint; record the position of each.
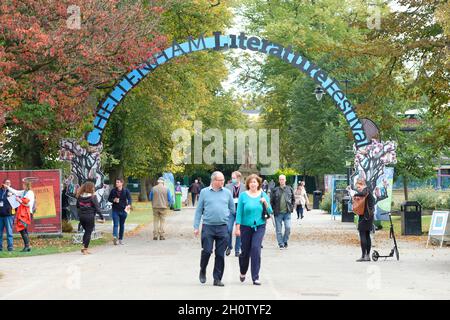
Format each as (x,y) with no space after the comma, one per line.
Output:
(439,227)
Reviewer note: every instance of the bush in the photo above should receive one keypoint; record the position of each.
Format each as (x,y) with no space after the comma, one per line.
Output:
(325,205)
(67,226)
(429,199)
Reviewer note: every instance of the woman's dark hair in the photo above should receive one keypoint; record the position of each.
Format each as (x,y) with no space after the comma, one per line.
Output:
(119,179)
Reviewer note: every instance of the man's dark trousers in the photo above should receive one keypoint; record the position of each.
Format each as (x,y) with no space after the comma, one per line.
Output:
(219,235)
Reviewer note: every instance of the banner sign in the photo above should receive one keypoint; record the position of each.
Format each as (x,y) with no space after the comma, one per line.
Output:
(338,186)
(383,194)
(46,185)
(439,226)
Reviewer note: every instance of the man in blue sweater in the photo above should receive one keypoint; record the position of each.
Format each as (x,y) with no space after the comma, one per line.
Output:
(215,205)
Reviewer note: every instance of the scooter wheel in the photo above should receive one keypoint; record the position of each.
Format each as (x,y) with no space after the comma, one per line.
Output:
(375,256)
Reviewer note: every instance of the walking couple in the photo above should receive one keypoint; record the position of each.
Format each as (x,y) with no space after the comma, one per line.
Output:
(216,206)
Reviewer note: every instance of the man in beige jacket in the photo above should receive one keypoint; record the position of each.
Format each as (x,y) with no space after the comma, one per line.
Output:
(161,199)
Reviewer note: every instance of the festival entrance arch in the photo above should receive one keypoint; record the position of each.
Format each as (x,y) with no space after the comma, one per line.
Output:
(371,155)
(224,42)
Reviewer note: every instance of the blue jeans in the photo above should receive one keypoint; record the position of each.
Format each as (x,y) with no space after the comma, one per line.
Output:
(251,249)
(211,235)
(119,218)
(279,220)
(237,247)
(7,223)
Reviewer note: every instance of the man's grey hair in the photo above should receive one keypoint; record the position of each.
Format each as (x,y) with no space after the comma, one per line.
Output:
(215,174)
(282,175)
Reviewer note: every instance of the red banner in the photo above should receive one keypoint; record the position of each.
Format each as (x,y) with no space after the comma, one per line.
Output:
(46,185)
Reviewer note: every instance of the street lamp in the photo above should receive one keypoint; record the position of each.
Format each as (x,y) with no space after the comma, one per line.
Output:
(348,164)
(319,93)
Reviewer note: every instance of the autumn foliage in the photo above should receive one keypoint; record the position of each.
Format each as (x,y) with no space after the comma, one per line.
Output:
(56,53)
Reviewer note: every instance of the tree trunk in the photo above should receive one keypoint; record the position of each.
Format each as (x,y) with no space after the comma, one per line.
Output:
(316,181)
(114,173)
(30,152)
(143,194)
(405,187)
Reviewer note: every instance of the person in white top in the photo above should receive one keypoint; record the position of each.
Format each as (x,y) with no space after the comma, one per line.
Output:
(24,212)
(26,193)
(301,199)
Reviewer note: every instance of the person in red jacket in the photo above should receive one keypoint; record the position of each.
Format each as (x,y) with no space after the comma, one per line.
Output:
(23,212)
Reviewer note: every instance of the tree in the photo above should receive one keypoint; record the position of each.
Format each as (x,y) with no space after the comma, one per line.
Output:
(51,65)
(391,69)
(138,137)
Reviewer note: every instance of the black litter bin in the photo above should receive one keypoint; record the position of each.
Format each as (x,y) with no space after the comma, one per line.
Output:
(347,215)
(411,218)
(317,197)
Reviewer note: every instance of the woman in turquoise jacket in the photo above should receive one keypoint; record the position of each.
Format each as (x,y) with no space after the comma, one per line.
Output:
(251,226)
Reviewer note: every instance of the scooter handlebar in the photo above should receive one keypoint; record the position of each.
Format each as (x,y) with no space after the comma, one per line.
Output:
(386,213)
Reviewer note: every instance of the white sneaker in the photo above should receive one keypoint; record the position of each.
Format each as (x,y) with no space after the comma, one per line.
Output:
(121,242)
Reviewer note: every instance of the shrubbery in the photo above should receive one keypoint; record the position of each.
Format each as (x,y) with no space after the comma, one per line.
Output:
(326,202)
(67,226)
(430,199)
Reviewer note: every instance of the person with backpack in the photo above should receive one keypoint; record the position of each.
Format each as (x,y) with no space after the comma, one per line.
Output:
(88,207)
(363,203)
(120,198)
(282,200)
(253,204)
(24,212)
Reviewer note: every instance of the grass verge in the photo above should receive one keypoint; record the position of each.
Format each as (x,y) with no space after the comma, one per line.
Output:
(141,215)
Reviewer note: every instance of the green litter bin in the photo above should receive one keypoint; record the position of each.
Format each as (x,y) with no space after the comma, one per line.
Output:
(177,206)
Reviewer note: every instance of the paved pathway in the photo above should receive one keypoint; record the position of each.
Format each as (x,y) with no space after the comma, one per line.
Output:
(319,264)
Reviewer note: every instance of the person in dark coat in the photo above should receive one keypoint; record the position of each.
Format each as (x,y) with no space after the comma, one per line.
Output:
(88,207)
(365,222)
(195,189)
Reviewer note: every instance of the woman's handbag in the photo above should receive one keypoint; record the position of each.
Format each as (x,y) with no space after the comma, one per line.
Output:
(359,204)
(265,214)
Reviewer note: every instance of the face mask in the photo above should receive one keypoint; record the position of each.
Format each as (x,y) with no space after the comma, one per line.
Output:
(234,181)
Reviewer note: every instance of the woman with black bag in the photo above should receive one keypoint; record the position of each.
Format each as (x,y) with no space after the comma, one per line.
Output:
(252,212)
(365,222)
(88,207)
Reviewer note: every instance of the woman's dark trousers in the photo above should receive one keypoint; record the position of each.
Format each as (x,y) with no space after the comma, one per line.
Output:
(251,241)
(87,221)
(366,243)
(299,211)
(25,238)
